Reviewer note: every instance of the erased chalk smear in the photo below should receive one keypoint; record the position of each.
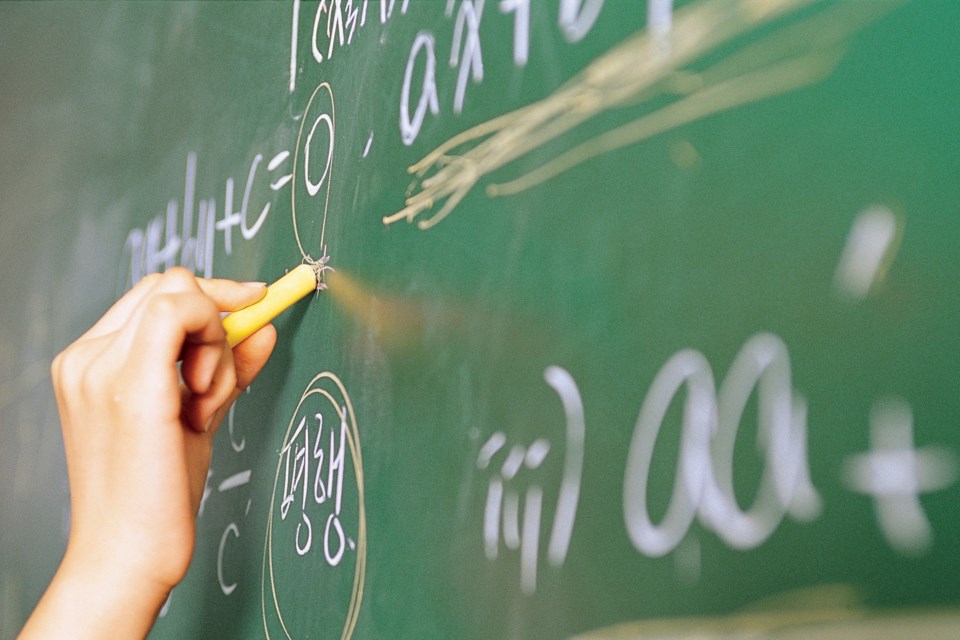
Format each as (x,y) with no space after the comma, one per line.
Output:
(870,248)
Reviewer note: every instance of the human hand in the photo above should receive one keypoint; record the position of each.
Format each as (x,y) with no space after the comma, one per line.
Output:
(138,435)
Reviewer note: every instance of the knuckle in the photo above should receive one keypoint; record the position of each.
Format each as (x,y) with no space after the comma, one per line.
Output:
(179,276)
(96,383)
(75,374)
(149,280)
(162,305)
(91,385)
(67,366)
(56,368)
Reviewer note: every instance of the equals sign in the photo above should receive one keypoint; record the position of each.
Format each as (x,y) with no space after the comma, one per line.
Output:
(275,162)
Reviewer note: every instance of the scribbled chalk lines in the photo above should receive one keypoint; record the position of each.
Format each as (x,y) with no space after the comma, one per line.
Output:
(650,64)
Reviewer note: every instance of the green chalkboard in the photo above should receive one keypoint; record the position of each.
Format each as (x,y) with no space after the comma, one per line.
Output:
(644,318)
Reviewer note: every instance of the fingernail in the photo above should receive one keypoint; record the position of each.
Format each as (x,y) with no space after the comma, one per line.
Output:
(254,285)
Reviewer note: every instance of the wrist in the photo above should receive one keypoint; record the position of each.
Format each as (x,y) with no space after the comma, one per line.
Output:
(117,570)
(96,597)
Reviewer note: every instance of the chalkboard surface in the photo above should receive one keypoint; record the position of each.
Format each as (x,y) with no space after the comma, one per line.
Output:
(644,318)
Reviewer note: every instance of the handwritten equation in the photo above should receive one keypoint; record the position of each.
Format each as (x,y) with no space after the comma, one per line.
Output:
(893,473)
(186,233)
(316,517)
(190,228)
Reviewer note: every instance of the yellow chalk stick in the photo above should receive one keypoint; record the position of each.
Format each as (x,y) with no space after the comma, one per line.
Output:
(241,324)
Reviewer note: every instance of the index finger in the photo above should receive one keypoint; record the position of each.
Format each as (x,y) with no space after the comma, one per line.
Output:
(226,294)
(230,295)
(169,321)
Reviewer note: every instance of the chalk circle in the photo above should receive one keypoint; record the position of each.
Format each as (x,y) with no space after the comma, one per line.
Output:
(326,388)
(312,169)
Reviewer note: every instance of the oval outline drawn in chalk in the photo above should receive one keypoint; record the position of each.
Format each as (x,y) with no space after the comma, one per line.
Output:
(329,117)
(329,387)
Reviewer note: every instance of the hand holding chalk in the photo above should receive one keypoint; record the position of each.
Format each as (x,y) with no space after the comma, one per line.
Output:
(140,397)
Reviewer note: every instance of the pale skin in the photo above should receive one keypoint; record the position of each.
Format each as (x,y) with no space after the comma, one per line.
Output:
(138,434)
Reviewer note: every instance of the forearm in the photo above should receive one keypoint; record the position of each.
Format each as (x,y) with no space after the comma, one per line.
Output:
(91,598)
